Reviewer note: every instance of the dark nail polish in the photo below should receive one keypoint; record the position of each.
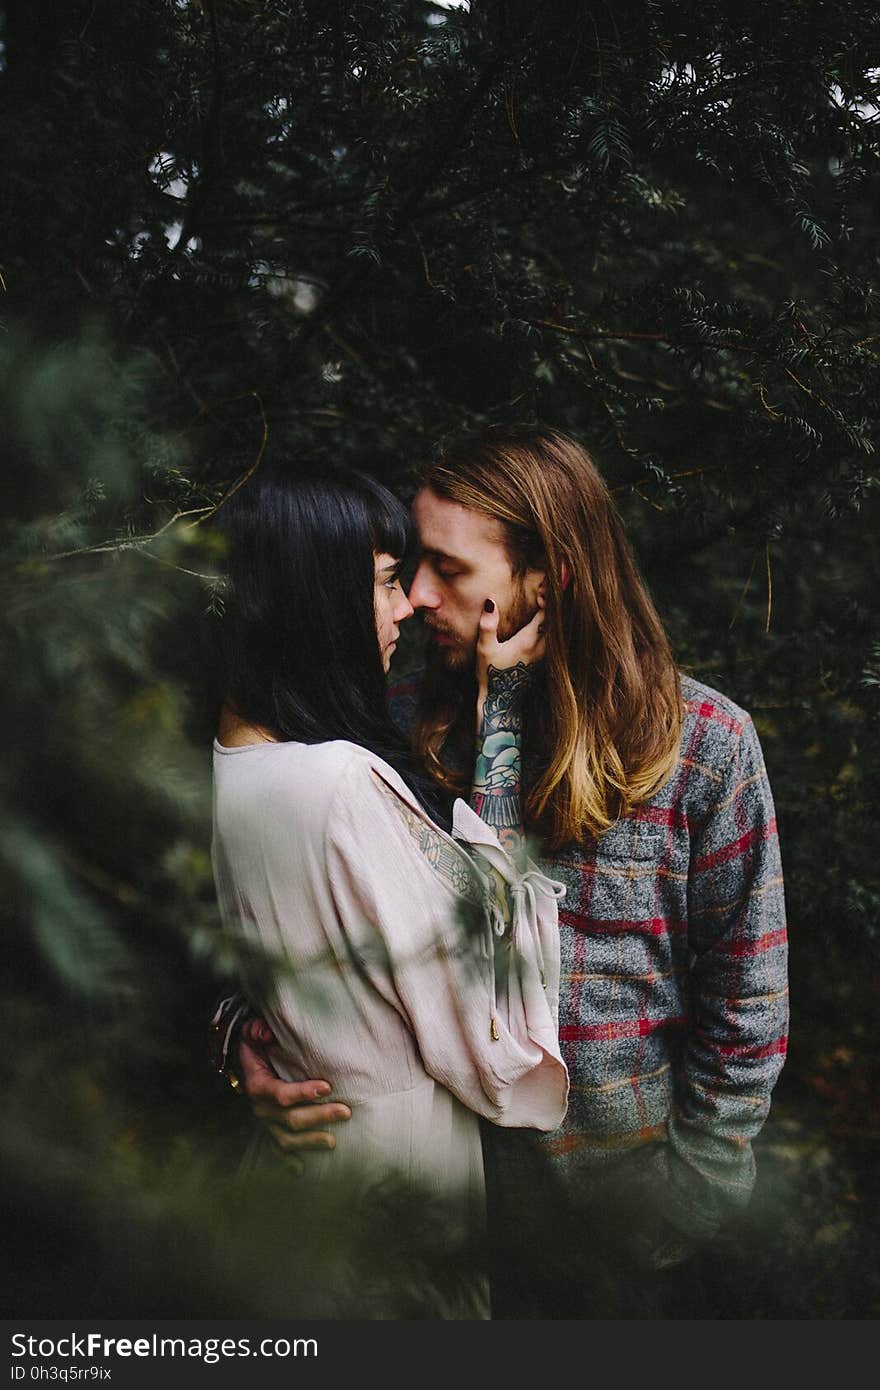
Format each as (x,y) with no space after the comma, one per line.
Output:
(488,606)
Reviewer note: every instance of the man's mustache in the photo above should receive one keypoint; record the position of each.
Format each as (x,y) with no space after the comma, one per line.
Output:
(438,627)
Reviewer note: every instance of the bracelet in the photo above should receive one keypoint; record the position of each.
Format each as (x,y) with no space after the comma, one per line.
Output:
(229,1015)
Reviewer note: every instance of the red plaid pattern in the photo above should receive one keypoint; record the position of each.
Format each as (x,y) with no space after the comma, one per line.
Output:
(674,1002)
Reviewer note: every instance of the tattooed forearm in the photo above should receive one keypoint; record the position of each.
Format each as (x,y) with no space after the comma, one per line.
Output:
(497,787)
(505,696)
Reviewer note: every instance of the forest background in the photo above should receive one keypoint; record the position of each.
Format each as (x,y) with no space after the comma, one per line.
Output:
(236,231)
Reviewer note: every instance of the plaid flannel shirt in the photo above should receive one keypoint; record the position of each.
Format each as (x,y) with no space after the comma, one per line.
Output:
(673,1002)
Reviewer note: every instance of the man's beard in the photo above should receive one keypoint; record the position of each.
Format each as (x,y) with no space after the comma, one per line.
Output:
(520,613)
(459,656)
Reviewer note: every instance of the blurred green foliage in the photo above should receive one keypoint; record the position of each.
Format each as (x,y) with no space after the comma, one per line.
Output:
(308,231)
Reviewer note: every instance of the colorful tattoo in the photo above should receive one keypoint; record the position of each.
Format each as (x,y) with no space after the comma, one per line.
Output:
(496,795)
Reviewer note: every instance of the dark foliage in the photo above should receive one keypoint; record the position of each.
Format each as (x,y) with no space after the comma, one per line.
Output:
(311,232)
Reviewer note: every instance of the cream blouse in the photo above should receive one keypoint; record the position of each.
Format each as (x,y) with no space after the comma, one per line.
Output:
(397,977)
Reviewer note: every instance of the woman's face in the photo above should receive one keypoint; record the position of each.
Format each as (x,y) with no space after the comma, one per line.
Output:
(391,603)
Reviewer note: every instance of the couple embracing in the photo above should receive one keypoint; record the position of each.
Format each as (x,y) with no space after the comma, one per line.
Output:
(535,886)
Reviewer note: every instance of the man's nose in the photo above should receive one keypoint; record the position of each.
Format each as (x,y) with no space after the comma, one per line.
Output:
(422,592)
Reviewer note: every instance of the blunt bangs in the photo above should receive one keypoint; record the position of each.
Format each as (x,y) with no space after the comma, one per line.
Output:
(391,529)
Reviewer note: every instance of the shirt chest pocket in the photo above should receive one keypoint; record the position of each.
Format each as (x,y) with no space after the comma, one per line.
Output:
(631,841)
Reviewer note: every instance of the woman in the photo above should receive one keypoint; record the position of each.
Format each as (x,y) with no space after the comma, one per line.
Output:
(397,974)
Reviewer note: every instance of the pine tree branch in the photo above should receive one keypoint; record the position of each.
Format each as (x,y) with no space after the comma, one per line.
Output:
(130,542)
(348,278)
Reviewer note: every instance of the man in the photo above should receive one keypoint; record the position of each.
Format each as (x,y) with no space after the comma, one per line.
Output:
(646,794)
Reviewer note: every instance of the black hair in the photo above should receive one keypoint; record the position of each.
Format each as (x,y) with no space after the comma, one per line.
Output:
(299,633)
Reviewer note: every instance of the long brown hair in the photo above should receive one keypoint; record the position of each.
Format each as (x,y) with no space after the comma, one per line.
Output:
(611,715)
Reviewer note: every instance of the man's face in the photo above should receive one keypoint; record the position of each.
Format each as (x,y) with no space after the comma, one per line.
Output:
(463,561)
